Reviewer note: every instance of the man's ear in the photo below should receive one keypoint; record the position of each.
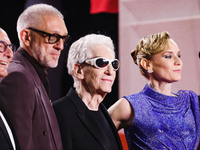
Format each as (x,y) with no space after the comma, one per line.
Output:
(25,37)
(78,71)
(146,64)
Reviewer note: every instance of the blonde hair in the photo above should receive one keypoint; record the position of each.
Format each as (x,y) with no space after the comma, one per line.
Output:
(149,46)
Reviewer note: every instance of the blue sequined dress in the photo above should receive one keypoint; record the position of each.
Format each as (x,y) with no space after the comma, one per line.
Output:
(164,122)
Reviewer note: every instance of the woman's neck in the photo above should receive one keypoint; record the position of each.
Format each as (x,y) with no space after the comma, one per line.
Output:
(161,87)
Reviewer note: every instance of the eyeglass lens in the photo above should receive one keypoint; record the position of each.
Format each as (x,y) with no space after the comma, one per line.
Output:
(103,63)
(115,64)
(4,45)
(54,38)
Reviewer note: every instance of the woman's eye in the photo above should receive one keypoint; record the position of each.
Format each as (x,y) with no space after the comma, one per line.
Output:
(168,56)
(179,55)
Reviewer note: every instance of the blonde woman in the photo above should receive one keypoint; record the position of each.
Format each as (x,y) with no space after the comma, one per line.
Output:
(156,118)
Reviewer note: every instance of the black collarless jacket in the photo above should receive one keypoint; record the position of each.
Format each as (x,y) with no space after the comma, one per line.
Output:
(78,132)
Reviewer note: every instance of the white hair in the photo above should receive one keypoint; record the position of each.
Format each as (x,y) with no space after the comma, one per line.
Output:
(32,16)
(80,50)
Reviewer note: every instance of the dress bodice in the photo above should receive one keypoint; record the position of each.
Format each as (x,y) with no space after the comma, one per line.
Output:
(164,122)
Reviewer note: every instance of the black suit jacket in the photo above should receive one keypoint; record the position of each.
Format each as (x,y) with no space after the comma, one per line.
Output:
(78,132)
(27,106)
(5,143)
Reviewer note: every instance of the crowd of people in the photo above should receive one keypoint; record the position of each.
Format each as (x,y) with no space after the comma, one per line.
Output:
(155,118)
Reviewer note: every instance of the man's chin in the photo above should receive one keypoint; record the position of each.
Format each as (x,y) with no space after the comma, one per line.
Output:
(51,64)
(3,74)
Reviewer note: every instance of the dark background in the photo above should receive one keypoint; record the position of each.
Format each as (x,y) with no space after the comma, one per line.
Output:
(79,22)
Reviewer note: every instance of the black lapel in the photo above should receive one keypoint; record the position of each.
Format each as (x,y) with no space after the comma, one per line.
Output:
(114,130)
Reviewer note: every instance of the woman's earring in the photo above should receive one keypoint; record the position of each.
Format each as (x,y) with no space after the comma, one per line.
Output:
(150,71)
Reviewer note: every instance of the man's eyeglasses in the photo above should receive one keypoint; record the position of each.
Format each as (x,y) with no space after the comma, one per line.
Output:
(51,38)
(100,62)
(4,46)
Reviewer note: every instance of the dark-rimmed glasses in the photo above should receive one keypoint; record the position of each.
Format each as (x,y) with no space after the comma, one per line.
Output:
(52,38)
(4,46)
(100,62)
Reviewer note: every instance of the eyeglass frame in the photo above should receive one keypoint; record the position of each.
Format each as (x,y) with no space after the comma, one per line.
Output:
(49,35)
(8,46)
(92,62)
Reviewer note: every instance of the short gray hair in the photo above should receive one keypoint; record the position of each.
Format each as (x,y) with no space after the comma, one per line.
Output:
(31,17)
(80,50)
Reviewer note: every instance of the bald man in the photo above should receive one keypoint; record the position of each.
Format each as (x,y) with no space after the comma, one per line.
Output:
(6,54)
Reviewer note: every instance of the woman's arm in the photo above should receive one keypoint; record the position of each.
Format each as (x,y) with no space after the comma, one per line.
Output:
(121,113)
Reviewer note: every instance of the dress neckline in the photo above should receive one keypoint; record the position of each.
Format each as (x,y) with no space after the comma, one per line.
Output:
(164,103)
